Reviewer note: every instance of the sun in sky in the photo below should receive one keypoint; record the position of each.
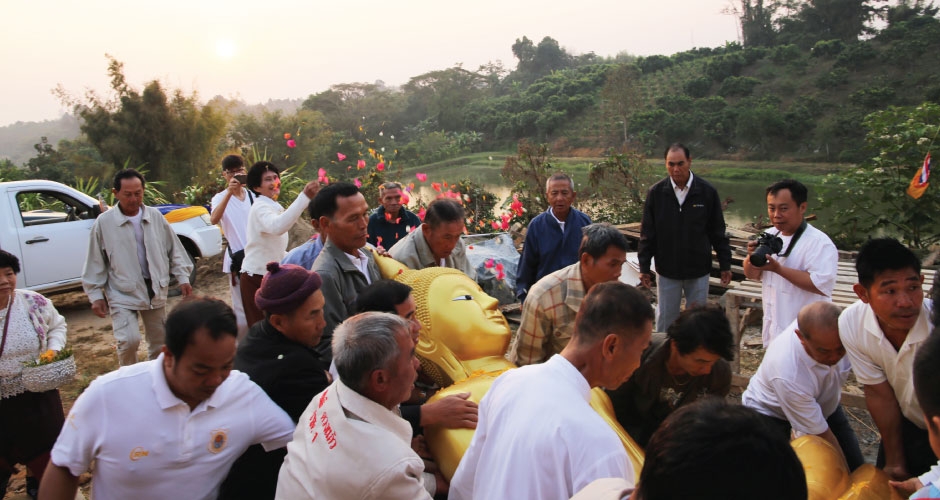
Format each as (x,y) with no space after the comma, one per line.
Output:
(225,48)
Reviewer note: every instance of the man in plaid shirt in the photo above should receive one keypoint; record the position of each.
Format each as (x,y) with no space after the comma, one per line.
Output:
(553,302)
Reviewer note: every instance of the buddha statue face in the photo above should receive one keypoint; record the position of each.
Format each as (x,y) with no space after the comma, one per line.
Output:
(465,319)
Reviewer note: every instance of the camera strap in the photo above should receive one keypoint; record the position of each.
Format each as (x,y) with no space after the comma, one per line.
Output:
(796,236)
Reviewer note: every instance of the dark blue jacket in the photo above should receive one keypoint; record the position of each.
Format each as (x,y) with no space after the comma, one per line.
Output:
(546,249)
(390,231)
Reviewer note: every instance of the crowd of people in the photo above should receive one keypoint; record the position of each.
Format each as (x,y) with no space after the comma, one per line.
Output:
(309,384)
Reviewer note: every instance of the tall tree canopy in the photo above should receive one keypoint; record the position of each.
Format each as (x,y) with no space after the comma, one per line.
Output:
(174,136)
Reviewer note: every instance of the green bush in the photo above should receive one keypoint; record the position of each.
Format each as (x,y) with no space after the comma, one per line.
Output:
(857,56)
(720,67)
(698,87)
(834,78)
(785,53)
(874,97)
(827,48)
(738,86)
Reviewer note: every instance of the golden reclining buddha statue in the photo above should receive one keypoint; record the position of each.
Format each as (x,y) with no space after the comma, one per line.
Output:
(461,346)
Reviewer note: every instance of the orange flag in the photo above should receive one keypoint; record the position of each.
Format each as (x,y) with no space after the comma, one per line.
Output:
(919,182)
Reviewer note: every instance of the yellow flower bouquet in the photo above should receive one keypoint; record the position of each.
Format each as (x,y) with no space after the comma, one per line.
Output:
(50,371)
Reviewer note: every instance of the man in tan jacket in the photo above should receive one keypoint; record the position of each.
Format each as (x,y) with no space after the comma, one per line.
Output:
(132,253)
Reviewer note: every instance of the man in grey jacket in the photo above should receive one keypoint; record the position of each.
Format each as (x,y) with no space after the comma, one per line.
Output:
(132,253)
(345,264)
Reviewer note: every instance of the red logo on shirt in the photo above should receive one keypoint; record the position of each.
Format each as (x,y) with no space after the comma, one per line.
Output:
(218,439)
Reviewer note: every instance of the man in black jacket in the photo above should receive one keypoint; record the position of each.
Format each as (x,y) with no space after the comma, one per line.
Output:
(278,355)
(682,223)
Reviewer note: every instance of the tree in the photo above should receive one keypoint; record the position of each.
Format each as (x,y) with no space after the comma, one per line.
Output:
(527,173)
(348,106)
(817,20)
(618,185)
(441,96)
(173,135)
(265,136)
(540,60)
(622,95)
(898,139)
(757,28)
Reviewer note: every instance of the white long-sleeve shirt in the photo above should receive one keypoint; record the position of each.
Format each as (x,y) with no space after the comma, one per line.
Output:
(268,223)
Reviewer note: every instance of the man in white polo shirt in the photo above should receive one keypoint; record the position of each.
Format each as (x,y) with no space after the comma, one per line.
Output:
(537,435)
(881,333)
(798,386)
(171,427)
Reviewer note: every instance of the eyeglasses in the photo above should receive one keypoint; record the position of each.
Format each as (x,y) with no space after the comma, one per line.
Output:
(233,171)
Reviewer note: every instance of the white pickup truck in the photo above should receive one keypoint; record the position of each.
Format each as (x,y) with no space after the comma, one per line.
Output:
(47,225)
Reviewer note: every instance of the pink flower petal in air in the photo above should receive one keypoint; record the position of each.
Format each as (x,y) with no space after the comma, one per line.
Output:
(422,177)
(340,156)
(421,213)
(291,143)
(381,166)
(361,164)
(286,136)
(357,182)
(488,264)
(405,199)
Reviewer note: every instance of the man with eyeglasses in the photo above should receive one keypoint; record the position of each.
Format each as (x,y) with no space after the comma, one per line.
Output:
(230,208)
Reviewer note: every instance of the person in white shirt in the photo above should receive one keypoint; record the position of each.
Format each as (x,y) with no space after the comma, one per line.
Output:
(345,264)
(230,209)
(803,271)
(537,436)
(351,441)
(168,428)
(798,385)
(268,223)
(882,333)
(927,387)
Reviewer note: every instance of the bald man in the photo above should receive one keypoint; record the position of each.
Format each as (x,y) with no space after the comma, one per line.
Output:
(798,386)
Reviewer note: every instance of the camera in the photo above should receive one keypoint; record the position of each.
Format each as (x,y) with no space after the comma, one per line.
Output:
(242,178)
(767,244)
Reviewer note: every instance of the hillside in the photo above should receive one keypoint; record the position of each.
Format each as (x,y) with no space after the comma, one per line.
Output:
(17,140)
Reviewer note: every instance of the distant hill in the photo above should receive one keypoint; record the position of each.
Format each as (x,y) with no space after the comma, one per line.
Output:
(17,140)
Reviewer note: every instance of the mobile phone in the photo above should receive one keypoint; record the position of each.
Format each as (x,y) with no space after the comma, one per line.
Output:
(242,178)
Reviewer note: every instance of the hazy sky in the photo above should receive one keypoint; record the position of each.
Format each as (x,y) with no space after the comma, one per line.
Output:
(256,50)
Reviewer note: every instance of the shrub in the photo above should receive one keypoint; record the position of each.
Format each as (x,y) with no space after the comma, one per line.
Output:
(827,48)
(834,78)
(698,87)
(874,97)
(785,53)
(857,56)
(738,86)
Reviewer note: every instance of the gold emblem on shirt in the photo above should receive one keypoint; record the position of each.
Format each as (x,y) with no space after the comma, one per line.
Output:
(138,453)
(218,440)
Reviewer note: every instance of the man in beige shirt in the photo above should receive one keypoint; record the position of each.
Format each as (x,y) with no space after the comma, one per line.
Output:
(132,253)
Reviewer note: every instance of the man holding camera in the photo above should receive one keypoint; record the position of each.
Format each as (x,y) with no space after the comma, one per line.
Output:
(797,263)
(230,208)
